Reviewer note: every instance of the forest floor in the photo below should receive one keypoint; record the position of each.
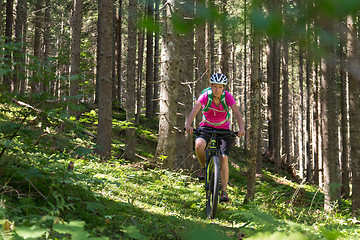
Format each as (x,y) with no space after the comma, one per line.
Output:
(53,186)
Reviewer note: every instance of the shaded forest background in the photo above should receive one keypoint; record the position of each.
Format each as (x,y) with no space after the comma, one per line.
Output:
(293,68)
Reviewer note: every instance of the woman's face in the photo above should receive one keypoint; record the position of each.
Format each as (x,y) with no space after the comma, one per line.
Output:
(217,89)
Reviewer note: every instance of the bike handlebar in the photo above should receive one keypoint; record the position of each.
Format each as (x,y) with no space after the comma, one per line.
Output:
(198,131)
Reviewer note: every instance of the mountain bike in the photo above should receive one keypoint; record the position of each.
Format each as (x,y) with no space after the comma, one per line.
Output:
(212,174)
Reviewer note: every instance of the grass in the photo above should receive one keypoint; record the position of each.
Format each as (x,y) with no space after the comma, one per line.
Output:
(41,199)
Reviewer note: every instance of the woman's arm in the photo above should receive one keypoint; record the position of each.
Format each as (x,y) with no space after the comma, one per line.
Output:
(239,120)
(191,117)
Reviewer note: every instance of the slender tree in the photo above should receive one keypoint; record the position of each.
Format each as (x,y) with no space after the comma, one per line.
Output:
(308,145)
(8,38)
(345,171)
(245,75)
(105,66)
(20,33)
(166,148)
(155,106)
(225,49)
(119,52)
(44,87)
(130,81)
(139,77)
(35,86)
(76,24)
(286,105)
(276,99)
(332,181)
(210,42)
(149,64)
(185,98)
(317,127)
(354,112)
(274,96)
(301,162)
(255,119)
(200,53)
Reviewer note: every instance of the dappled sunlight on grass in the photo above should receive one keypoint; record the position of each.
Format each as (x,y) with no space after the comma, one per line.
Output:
(139,200)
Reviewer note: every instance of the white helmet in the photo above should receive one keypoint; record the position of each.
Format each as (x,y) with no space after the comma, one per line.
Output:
(218,78)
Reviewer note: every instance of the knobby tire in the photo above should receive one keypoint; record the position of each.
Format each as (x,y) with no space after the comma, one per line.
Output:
(212,193)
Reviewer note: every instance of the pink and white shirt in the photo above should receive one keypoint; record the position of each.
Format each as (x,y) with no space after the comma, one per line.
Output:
(216,114)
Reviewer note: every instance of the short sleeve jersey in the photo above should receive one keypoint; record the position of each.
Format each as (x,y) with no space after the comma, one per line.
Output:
(216,114)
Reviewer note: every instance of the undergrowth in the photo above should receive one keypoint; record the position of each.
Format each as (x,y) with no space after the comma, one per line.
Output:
(53,186)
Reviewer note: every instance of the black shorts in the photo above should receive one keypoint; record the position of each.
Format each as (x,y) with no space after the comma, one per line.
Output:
(224,141)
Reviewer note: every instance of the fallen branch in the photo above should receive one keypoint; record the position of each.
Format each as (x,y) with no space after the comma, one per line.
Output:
(36,189)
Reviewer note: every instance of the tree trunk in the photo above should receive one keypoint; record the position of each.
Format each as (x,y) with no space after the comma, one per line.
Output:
(184,155)
(114,64)
(354,113)
(130,82)
(8,38)
(46,48)
(37,45)
(317,130)
(155,106)
(76,24)
(245,77)
(255,119)
(301,159)
(285,106)
(332,181)
(119,54)
(295,113)
(139,77)
(274,96)
(309,159)
(210,43)
(225,55)
(105,66)
(345,171)
(149,65)
(166,148)
(200,54)
(20,33)
(276,99)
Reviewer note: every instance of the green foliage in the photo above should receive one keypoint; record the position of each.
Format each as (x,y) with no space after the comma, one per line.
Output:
(271,24)
(278,236)
(41,199)
(336,8)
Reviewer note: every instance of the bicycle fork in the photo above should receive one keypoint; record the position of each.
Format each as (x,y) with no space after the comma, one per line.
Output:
(212,150)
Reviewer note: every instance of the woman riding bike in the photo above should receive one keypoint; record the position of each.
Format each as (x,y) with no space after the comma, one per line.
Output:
(216,103)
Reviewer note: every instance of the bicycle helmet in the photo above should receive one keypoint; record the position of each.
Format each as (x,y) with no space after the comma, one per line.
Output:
(218,78)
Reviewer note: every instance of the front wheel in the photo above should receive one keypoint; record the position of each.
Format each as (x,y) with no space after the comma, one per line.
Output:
(213,183)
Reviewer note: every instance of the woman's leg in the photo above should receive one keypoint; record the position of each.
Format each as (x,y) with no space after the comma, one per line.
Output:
(200,145)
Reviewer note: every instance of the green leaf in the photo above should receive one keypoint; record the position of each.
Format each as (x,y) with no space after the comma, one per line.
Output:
(75,228)
(208,233)
(30,232)
(278,236)
(181,25)
(332,234)
(134,233)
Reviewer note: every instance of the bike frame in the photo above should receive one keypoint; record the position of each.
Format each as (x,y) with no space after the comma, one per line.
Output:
(211,150)
(213,166)
(212,177)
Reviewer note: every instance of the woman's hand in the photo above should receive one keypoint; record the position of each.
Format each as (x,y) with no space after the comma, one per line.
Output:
(241,132)
(189,129)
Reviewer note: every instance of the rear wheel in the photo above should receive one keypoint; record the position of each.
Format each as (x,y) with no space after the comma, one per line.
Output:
(213,183)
